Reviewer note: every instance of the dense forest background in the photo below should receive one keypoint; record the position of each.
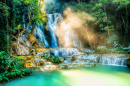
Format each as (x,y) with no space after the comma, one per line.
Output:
(110,28)
(111,22)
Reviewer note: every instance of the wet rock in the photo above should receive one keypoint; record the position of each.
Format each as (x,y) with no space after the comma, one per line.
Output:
(73,58)
(79,64)
(28,65)
(23,48)
(64,58)
(94,65)
(65,66)
(61,59)
(48,63)
(51,67)
(40,56)
(28,60)
(33,53)
(40,50)
(128,61)
(39,63)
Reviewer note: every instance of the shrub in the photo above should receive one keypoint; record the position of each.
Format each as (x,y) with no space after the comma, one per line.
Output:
(11,67)
(53,59)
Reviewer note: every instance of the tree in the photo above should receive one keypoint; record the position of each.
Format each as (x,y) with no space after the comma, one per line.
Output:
(13,11)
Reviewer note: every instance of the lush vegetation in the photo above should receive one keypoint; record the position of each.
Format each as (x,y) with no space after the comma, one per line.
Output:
(111,24)
(11,67)
(53,59)
(15,17)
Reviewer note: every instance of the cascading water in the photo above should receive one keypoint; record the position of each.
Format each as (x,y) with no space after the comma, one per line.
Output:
(70,37)
(112,60)
(52,26)
(64,52)
(39,34)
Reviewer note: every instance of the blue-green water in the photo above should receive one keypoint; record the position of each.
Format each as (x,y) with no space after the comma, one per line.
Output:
(81,76)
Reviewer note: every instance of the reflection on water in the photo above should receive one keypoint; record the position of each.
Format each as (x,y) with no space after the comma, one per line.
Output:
(83,76)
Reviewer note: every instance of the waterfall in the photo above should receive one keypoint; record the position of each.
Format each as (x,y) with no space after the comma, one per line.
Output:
(64,52)
(67,34)
(113,60)
(39,35)
(52,26)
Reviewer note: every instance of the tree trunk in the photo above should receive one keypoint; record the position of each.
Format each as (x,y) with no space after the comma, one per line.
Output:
(7,26)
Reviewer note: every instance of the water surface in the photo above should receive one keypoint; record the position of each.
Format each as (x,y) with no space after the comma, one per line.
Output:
(101,75)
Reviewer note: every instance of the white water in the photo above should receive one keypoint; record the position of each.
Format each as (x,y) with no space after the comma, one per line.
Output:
(83,58)
(39,35)
(52,26)
(64,52)
(113,60)
(70,38)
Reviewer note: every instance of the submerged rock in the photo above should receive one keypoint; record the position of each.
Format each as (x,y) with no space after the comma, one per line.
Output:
(65,66)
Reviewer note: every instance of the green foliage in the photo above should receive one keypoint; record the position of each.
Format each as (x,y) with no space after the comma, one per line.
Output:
(110,17)
(53,59)
(112,39)
(102,49)
(15,13)
(11,67)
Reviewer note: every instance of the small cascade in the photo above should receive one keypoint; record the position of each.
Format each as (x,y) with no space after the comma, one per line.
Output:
(39,34)
(52,26)
(64,52)
(113,60)
(83,58)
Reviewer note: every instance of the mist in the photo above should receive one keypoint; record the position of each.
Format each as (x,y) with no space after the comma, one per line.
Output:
(74,30)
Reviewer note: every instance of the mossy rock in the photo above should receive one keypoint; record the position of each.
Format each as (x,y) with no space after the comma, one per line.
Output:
(28,65)
(61,59)
(73,58)
(65,66)
(39,63)
(32,38)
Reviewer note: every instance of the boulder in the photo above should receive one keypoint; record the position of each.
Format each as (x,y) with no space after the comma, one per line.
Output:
(48,63)
(50,67)
(28,65)
(64,58)
(39,63)
(128,61)
(65,66)
(73,58)
(61,59)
